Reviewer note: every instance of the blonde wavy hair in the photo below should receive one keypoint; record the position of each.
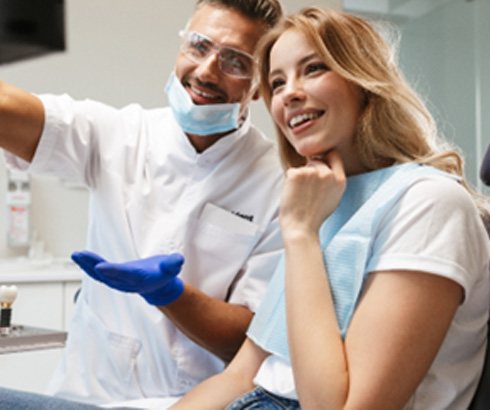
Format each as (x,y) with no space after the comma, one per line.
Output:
(395,125)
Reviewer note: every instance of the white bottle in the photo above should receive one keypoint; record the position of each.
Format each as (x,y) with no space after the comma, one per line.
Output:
(18,200)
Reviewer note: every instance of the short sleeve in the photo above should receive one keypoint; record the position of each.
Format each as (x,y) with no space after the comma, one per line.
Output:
(75,136)
(434,228)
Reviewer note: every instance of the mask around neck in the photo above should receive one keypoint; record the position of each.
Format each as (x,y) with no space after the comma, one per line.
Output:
(196,119)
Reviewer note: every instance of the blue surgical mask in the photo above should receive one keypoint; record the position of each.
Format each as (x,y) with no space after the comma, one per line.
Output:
(197,119)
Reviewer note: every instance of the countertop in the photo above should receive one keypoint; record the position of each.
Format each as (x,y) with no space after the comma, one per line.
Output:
(22,270)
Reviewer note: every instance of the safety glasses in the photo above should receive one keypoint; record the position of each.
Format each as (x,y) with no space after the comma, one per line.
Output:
(198,48)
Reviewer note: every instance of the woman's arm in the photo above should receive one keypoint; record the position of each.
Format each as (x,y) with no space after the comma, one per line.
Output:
(220,390)
(318,358)
(395,333)
(310,195)
(392,340)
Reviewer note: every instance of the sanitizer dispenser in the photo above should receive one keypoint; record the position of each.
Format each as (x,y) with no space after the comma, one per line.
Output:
(18,200)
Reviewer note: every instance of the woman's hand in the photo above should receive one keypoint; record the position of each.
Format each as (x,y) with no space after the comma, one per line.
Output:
(310,194)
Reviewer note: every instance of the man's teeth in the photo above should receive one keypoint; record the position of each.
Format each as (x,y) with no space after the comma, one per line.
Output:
(203,94)
(299,119)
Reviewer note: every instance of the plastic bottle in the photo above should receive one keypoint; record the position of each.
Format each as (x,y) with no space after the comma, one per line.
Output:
(18,201)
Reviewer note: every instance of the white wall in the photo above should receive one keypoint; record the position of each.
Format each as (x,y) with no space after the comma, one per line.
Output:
(118,52)
(445,53)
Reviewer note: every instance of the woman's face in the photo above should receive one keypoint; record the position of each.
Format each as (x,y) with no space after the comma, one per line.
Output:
(315,108)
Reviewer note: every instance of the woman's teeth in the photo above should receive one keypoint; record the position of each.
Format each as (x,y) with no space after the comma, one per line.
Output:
(300,119)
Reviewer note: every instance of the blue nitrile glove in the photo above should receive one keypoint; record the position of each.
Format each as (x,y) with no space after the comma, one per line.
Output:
(154,278)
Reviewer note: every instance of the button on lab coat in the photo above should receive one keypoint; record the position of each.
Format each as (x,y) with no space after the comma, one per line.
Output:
(152,193)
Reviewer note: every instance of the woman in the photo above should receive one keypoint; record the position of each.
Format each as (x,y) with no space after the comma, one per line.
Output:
(381,301)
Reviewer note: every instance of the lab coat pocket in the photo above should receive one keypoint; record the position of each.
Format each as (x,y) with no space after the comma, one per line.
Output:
(105,353)
(218,249)
(219,217)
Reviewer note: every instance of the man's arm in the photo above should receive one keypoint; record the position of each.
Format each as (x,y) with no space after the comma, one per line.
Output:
(216,325)
(213,324)
(21,121)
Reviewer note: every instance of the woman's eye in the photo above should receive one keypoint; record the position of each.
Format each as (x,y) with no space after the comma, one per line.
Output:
(275,84)
(315,67)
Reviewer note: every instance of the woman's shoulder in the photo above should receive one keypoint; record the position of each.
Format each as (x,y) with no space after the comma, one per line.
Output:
(436,206)
(445,192)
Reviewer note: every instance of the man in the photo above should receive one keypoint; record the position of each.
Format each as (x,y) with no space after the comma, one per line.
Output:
(195,179)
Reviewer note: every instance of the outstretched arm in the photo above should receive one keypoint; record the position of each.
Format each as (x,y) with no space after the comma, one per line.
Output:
(216,325)
(21,121)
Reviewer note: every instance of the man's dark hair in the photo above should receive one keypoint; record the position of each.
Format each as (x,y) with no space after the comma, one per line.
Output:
(266,11)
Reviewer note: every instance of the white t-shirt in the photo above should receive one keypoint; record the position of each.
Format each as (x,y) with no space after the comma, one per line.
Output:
(152,193)
(436,229)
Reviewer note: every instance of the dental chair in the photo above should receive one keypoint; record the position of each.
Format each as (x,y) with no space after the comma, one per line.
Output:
(481,400)
(485,168)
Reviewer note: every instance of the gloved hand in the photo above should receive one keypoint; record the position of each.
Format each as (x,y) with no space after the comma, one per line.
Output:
(154,278)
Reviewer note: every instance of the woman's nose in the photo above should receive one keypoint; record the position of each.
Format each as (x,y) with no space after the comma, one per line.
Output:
(293,92)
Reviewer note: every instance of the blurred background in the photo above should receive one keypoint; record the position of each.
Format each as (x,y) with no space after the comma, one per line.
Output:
(122,51)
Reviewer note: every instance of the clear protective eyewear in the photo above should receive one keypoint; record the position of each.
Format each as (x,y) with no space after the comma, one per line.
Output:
(197,47)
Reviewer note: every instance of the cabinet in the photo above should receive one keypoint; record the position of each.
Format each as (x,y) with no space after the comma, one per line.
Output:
(45,299)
